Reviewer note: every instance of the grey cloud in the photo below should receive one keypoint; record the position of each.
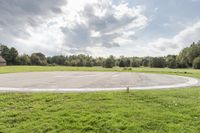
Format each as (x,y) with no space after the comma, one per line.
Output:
(108,22)
(108,26)
(77,37)
(168,45)
(110,45)
(106,40)
(56,10)
(16,15)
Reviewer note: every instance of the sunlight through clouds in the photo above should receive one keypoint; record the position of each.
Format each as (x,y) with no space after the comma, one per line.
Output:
(99,27)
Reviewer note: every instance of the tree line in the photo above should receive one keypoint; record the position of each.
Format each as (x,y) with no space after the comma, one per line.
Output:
(189,57)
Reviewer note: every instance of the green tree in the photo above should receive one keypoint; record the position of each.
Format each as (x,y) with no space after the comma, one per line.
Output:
(187,55)
(196,63)
(10,55)
(38,59)
(99,61)
(124,62)
(5,53)
(193,52)
(49,60)
(109,62)
(136,62)
(145,61)
(59,60)
(13,56)
(171,61)
(121,63)
(24,60)
(157,62)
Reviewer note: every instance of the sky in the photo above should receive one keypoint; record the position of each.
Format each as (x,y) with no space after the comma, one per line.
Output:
(100,27)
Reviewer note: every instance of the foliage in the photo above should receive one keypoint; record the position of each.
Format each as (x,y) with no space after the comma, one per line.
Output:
(196,63)
(136,62)
(146,61)
(157,62)
(171,61)
(59,60)
(24,60)
(187,55)
(13,56)
(5,52)
(109,62)
(184,59)
(10,55)
(38,59)
(124,62)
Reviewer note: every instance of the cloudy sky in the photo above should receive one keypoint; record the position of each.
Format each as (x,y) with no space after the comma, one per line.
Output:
(100,27)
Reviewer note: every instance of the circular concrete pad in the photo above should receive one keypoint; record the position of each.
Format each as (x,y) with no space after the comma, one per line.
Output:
(90,81)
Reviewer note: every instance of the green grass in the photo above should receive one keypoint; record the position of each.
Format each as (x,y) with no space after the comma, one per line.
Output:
(137,111)
(176,110)
(183,72)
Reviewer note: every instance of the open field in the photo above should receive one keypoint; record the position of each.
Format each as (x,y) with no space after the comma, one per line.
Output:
(175,110)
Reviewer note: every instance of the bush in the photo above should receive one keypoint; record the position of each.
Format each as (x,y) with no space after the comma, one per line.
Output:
(196,63)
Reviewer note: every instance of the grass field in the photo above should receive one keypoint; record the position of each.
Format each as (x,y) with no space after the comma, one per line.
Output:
(153,111)
(183,72)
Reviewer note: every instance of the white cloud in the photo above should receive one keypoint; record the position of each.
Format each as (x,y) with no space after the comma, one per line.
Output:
(100,24)
(97,27)
(173,45)
(61,26)
(24,24)
(16,16)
